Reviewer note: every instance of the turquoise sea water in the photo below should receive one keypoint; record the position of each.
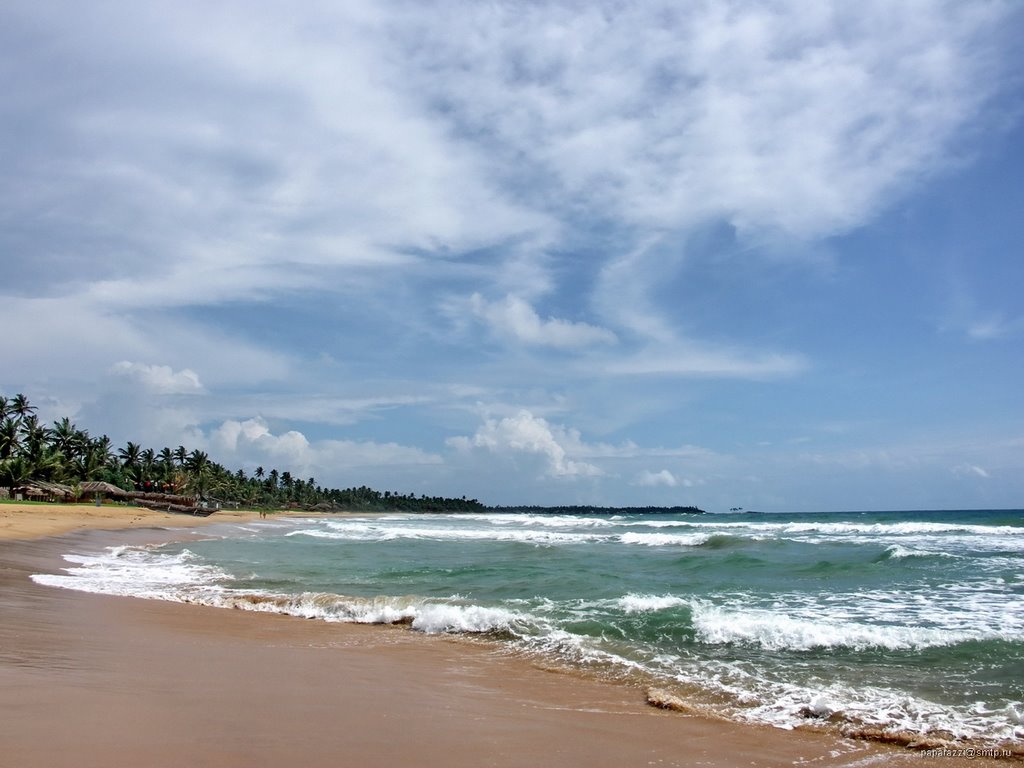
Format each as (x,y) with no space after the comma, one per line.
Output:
(909,621)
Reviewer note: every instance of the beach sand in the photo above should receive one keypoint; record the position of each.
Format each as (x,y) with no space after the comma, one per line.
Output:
(29,521)
(89,680)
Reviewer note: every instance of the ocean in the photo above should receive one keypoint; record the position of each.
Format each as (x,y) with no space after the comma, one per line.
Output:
(907,625)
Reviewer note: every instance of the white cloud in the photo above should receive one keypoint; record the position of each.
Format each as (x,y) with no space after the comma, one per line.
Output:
(663,477)
(235,215)
(971,470)
(160,379)
(56,335)
(780,117)
(515,318)
(529,434)
(689,359)
(252,442)
(995,327)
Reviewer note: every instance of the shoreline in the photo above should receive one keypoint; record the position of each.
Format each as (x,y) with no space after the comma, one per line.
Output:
(94,680)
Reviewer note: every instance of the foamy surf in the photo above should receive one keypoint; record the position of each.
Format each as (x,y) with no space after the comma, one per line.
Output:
(838,623)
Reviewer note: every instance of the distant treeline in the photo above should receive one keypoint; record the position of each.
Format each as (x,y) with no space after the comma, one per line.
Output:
(62,453)
(33,452)
(585,510)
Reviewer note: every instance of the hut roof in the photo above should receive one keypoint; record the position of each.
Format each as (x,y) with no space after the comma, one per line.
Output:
(97,486)
(46,487)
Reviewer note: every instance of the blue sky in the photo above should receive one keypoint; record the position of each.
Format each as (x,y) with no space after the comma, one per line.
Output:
(724,253)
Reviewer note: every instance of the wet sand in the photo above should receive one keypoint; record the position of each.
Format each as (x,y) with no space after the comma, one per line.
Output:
(90,680)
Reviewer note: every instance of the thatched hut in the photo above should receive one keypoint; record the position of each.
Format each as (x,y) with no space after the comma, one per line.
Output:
(101,491)
(42,490)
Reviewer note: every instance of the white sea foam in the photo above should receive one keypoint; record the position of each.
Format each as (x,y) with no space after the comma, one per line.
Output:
(435,618)
(898,552)
(136,572)
(840,528)
(633,603)
(784,633)
(553,521)
(802,628)
(430,617)
(789,706)
(665,539)
(145,573)
(370,531)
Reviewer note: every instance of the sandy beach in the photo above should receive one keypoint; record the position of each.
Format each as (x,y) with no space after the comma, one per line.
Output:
(30,521)
(90,680)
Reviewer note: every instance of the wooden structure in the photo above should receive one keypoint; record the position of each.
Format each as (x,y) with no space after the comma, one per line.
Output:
(41,490)
(169,502)
(102,491)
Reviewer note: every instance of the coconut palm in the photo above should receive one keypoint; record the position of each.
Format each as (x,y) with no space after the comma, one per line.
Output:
(13,472)
(20,406)
(88,465)
(10,438)
(104,450)
(129,456)
(33,434)
(147,463)
(165,460)
(199,472)
(68,439)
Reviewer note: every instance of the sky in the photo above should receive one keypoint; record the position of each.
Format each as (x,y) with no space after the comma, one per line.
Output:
(732,254)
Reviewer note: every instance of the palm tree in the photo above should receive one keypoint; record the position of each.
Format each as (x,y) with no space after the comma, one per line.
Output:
(88,464)
(10,438)
(147,464)
(33,434)
(259,473)
(197,461)
(46,463)
(180,454)
(129,456)
(104,450)
(5,407)
(14,472)
(166,462)
(19,405)
(199,469)
(67,438)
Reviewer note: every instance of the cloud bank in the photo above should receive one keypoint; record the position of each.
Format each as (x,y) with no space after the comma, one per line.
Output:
(387,219)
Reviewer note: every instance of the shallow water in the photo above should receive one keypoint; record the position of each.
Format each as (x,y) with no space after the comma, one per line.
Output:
(900,621)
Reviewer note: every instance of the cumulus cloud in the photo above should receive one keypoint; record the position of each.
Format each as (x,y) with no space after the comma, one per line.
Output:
(516,319)
(160,379)
(663,477)
(525,433)
(252,442)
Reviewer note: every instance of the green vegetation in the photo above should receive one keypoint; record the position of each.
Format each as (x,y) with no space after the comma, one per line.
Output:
(31,452)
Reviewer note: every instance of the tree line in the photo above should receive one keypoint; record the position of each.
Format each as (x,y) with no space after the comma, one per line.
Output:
(31,451)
